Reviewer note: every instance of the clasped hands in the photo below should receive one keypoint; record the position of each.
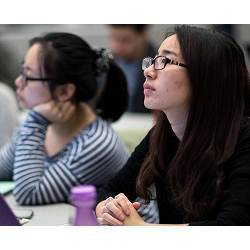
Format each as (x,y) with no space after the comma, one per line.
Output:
(119,211)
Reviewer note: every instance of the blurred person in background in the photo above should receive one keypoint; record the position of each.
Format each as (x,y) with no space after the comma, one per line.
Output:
(73,93)
(197,156)
(129,44)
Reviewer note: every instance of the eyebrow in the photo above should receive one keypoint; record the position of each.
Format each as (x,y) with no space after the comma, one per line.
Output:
(27,67)
(166,52)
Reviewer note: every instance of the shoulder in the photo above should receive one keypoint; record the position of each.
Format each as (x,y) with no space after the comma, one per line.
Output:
(98,145)
(99,136)
(98,129)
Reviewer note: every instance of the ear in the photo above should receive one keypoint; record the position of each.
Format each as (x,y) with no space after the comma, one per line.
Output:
(65,92)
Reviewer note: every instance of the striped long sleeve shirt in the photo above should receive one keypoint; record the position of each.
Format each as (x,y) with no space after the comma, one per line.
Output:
(91,157)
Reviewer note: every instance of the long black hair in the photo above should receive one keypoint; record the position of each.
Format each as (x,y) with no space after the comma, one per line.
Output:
(219,82)
(67,58)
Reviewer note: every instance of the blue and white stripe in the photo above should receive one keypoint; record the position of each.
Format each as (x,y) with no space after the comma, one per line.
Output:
(92,157)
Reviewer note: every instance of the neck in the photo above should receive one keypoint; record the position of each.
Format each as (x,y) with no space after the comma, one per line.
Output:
(178,120)
(78,120)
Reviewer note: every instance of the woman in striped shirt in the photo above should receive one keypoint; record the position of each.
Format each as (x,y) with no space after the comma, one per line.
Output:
(72,92)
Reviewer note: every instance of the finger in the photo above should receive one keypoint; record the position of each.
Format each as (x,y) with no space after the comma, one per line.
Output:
(113,208)
(136,205)
(110,220)
(124,203)
(65,105)
(109,199)
(55,108)
(105,210)
(61,111)
(67,109)
(101,221)
(61,107)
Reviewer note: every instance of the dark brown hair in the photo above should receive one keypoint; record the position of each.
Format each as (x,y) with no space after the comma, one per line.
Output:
(219,82)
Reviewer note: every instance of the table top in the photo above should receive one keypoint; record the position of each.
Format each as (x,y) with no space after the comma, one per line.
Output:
(45,215)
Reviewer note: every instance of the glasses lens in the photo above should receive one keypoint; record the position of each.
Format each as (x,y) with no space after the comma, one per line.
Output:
(146,62)
(159,62)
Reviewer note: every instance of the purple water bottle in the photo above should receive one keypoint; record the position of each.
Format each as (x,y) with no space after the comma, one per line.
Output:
(84,199)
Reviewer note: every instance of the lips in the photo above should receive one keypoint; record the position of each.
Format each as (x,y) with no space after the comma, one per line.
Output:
(148,87)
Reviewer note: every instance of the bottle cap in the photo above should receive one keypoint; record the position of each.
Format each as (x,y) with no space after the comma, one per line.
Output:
(83,192)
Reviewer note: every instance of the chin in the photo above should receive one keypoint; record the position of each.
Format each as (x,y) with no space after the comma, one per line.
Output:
(149,105)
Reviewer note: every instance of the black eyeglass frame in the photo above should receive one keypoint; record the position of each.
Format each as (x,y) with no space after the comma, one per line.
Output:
(26,78)
(167,61)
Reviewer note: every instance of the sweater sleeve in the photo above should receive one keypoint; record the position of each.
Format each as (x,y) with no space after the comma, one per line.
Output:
(36,183)
(235,207)
(125,180)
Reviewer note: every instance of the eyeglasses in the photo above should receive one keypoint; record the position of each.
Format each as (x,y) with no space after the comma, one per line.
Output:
(159,62)
(26,78)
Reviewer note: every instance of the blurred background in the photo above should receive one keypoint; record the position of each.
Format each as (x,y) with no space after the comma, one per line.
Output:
(14,40)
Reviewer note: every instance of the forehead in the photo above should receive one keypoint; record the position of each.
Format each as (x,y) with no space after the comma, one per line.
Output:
(170,46)
(32,57)
(32,52)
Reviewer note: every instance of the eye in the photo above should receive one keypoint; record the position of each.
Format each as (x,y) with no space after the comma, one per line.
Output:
(167,60)
(162,60)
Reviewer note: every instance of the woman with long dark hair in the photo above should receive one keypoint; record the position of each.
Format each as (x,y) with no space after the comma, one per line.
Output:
(73,93)
(197,156)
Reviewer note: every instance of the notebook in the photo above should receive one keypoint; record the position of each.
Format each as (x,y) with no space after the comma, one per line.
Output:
(7,217)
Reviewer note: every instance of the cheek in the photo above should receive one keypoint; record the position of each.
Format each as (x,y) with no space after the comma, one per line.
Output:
(181,90)
(178,83)
(176,90)
(184,86)
(35,97)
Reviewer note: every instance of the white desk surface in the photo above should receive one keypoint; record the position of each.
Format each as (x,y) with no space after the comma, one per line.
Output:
(45,215)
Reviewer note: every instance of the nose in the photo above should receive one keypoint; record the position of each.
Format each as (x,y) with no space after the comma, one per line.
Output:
(150,72)
(19,82)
